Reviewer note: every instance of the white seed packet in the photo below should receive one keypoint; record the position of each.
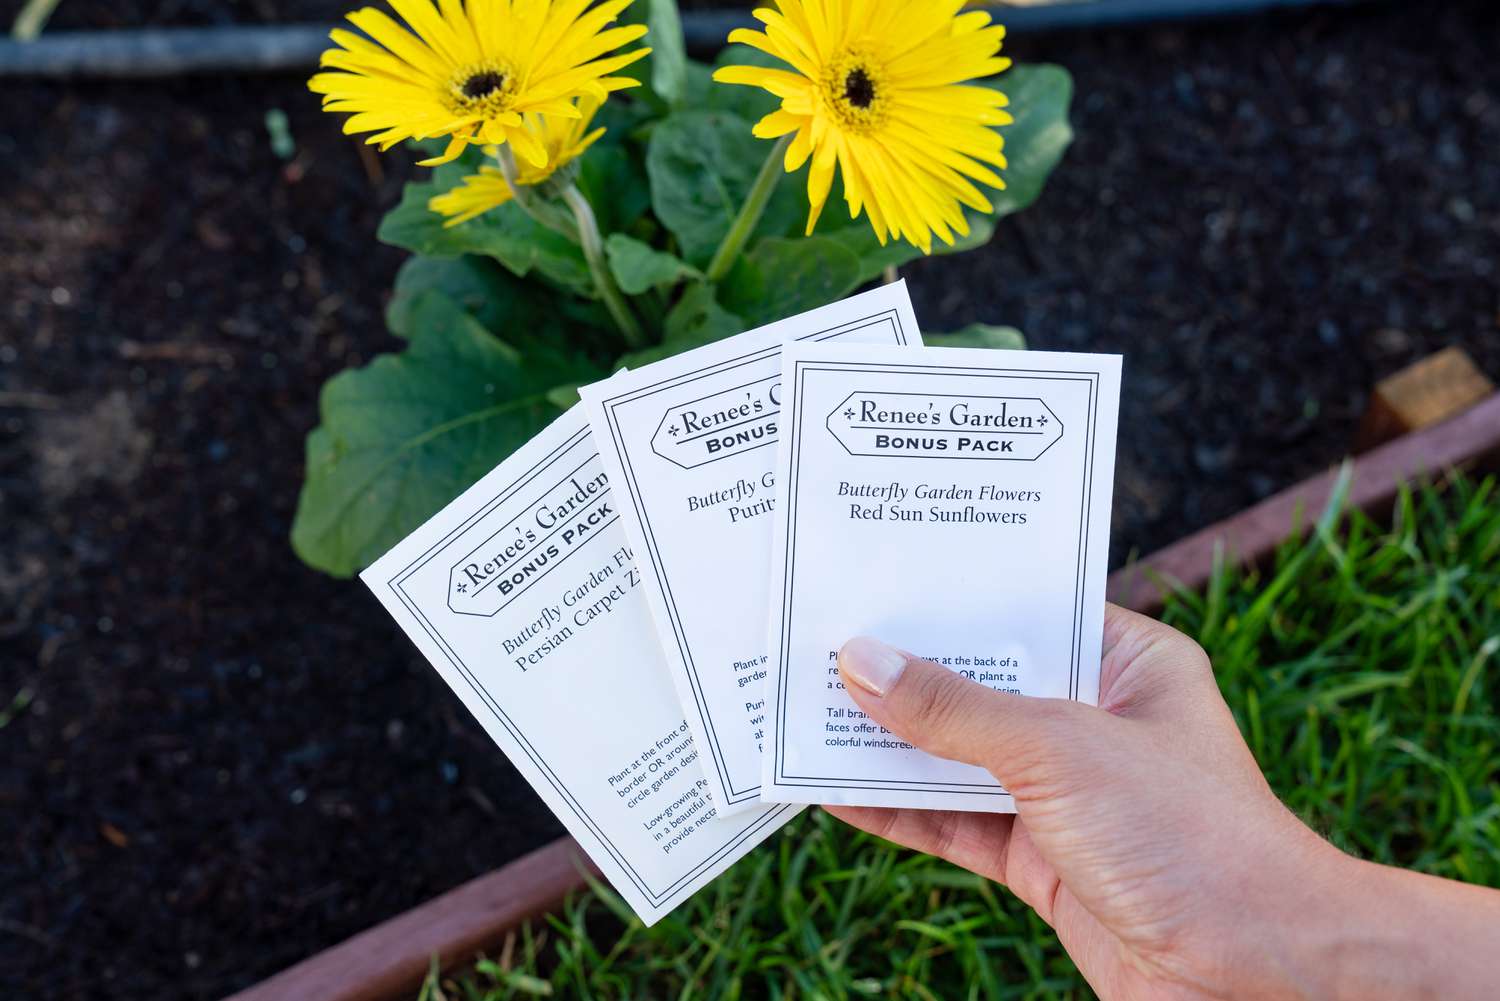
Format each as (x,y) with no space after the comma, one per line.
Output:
(689,442)
(524,595)
(954,503)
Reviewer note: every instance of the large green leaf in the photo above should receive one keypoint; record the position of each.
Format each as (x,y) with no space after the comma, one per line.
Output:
(475,283)
(614,182)
(979,335)
(701,165)
(786,213)
(697,319)
(874,258)
(506,234)
(534,326)
(638,267)
(1035,143)
(782,277)
(531,313)
(408,432)
(750,103)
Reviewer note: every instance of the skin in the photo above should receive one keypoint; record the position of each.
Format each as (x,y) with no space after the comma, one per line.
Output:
(1147,837)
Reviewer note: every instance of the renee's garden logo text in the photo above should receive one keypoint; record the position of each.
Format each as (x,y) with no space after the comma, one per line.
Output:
(937,425)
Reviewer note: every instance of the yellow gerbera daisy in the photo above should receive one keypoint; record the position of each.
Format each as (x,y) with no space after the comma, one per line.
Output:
(876,90)
(472,69)
(564,139)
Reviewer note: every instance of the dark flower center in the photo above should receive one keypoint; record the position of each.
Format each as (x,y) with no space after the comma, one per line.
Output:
(483,84)
(859,90)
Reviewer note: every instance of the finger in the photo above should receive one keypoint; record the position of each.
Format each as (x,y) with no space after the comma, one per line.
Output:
(948,715)
(978,842)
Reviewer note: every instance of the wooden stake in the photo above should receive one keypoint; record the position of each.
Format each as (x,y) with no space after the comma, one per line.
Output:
(1428,392)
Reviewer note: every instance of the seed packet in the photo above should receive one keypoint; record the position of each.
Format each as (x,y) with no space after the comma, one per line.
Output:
(689,443)
(954,503)
(524,595)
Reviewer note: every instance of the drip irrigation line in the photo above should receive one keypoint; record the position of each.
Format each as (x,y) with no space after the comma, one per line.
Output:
(159,52)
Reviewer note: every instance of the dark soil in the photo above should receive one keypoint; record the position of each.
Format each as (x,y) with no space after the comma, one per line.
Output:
(216,762)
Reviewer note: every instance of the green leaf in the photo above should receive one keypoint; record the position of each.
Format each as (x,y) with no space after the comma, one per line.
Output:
(782,277)
(979,335)
(429,289)
(697,319)
(1034,144)
(637,267)
(668,53)
(407,433)
(701,165)
(750,103)
(506,234)
(475,283)
(786,214)
(860,240)
(614,182)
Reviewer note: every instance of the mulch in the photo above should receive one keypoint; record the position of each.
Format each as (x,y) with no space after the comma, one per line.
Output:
(217,761)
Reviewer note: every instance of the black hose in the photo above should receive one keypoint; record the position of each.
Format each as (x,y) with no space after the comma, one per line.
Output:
(156,52)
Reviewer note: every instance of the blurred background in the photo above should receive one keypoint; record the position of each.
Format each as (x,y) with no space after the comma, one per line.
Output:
(215,761)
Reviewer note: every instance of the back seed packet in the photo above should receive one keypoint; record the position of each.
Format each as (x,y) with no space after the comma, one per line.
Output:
(524,595)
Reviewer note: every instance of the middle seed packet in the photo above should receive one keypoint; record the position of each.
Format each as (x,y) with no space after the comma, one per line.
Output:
(689,443)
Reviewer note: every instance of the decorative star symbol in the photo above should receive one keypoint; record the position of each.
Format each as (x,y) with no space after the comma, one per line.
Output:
(849,412)
(463,589)
(1041,420)
(672,430)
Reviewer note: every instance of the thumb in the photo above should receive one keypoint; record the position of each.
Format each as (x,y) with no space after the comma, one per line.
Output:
(948,715)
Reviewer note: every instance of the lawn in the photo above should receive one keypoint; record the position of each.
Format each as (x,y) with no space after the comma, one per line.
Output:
(1359,665)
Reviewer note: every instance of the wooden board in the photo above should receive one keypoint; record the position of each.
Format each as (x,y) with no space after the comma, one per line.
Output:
(1428,392)
(389,960)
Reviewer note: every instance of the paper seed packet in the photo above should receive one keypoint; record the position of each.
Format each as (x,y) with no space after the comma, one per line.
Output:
(954,503)
(690,442)
(524,595)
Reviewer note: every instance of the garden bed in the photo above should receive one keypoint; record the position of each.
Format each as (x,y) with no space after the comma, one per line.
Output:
(228,762)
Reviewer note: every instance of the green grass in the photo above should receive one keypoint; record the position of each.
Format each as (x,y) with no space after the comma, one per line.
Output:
(1363,668)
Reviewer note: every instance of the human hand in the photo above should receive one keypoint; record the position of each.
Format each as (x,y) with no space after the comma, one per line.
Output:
(1146,834)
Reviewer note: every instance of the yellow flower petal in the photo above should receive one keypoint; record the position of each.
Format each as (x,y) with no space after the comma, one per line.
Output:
(468,69)
(877,92)
(776,124)
(456,146)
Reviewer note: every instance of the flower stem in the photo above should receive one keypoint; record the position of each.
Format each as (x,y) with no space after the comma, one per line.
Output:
(530,202)
(593,252)
(744,224)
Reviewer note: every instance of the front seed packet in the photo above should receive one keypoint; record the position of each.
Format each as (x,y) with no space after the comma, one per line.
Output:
(951,502)
(690,443)
(524,595)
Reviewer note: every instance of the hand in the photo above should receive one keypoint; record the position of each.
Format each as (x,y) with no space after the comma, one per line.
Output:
(1148,838)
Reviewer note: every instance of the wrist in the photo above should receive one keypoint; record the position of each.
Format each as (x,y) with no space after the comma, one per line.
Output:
(1271,920)
(1297,946)
(1323,933)
(1359,930)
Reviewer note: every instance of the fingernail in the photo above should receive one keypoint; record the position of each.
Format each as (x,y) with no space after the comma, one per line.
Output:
(871,664)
